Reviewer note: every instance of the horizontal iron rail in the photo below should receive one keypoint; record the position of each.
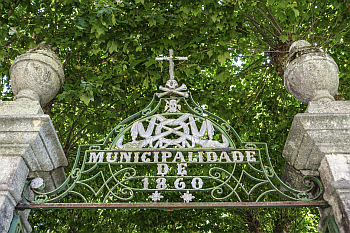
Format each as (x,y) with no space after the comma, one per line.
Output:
(175,206)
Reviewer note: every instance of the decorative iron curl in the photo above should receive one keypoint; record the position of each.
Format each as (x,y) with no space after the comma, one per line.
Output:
(123,191)
(303,196)
(75,173)
(226,127)
(269,172)
(218,190)
(214,173)
(309,182)
(129,174)
(146,111)
(250,145)
(198,110)
(314,184)
(41,198)
(118,129)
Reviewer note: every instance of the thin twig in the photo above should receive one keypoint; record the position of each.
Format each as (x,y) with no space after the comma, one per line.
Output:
(55,17)
(275,27)
(269,9)
(258,29)
(311,27)
(312,24)
(9,14)
(335,35)
(299,26)
(246,110)
(261,41)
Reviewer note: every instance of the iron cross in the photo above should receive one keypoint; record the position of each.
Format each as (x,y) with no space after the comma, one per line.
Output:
(171,61)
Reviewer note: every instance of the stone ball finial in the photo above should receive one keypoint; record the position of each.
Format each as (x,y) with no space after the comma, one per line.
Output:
(298,45)
(37,75)
(310,74)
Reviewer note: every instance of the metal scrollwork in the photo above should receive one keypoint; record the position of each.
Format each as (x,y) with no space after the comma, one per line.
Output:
(168,145)
(146,111)
(16,225)
(118,129)
(303,196)
(41,198)
(269,172)
(75,173)
(198,110)
(171,144)
(226,127)
(250,146)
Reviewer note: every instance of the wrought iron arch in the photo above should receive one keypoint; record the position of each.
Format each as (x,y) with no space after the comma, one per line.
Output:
(173,164)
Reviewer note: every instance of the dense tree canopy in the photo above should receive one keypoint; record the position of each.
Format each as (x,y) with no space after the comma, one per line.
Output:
(236,53)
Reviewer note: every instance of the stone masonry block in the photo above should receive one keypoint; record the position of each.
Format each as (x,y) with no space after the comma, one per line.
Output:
(28,140)
(18,108)
(6,212)
(335,175)
(28,146)
(312,135)
(30,135)
(50,139)
(319,141)
(13,175)
(23,150)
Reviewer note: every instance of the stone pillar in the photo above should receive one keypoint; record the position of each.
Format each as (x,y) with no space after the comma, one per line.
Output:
(28,142)
(319,139)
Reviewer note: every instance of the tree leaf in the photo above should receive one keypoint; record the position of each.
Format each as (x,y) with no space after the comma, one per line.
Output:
(112,46)
(296,12)
(86,99)
(283,38)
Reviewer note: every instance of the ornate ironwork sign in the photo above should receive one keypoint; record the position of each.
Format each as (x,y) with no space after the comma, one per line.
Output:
(173,151)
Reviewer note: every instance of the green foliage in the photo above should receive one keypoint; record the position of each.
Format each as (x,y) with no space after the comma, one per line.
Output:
(239,221)
(236,55)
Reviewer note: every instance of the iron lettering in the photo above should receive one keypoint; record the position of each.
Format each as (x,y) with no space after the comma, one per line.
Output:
(232,156)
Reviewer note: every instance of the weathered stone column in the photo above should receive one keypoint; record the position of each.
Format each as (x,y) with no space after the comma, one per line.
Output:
(28,142)
(319,139)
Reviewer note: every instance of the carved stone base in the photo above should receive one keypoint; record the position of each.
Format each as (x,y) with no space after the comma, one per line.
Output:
(319,143)
(334,171)
(28,146)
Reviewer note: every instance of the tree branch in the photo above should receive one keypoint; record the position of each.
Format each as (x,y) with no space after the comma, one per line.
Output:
(258,29)
(334,35)
(273,25)
(268,43)
(274,19)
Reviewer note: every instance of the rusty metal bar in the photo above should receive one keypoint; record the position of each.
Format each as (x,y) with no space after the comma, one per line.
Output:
(175,206)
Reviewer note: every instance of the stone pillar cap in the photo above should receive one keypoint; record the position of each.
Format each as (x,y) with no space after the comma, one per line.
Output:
(310,74)
(297,45)
(37,75)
